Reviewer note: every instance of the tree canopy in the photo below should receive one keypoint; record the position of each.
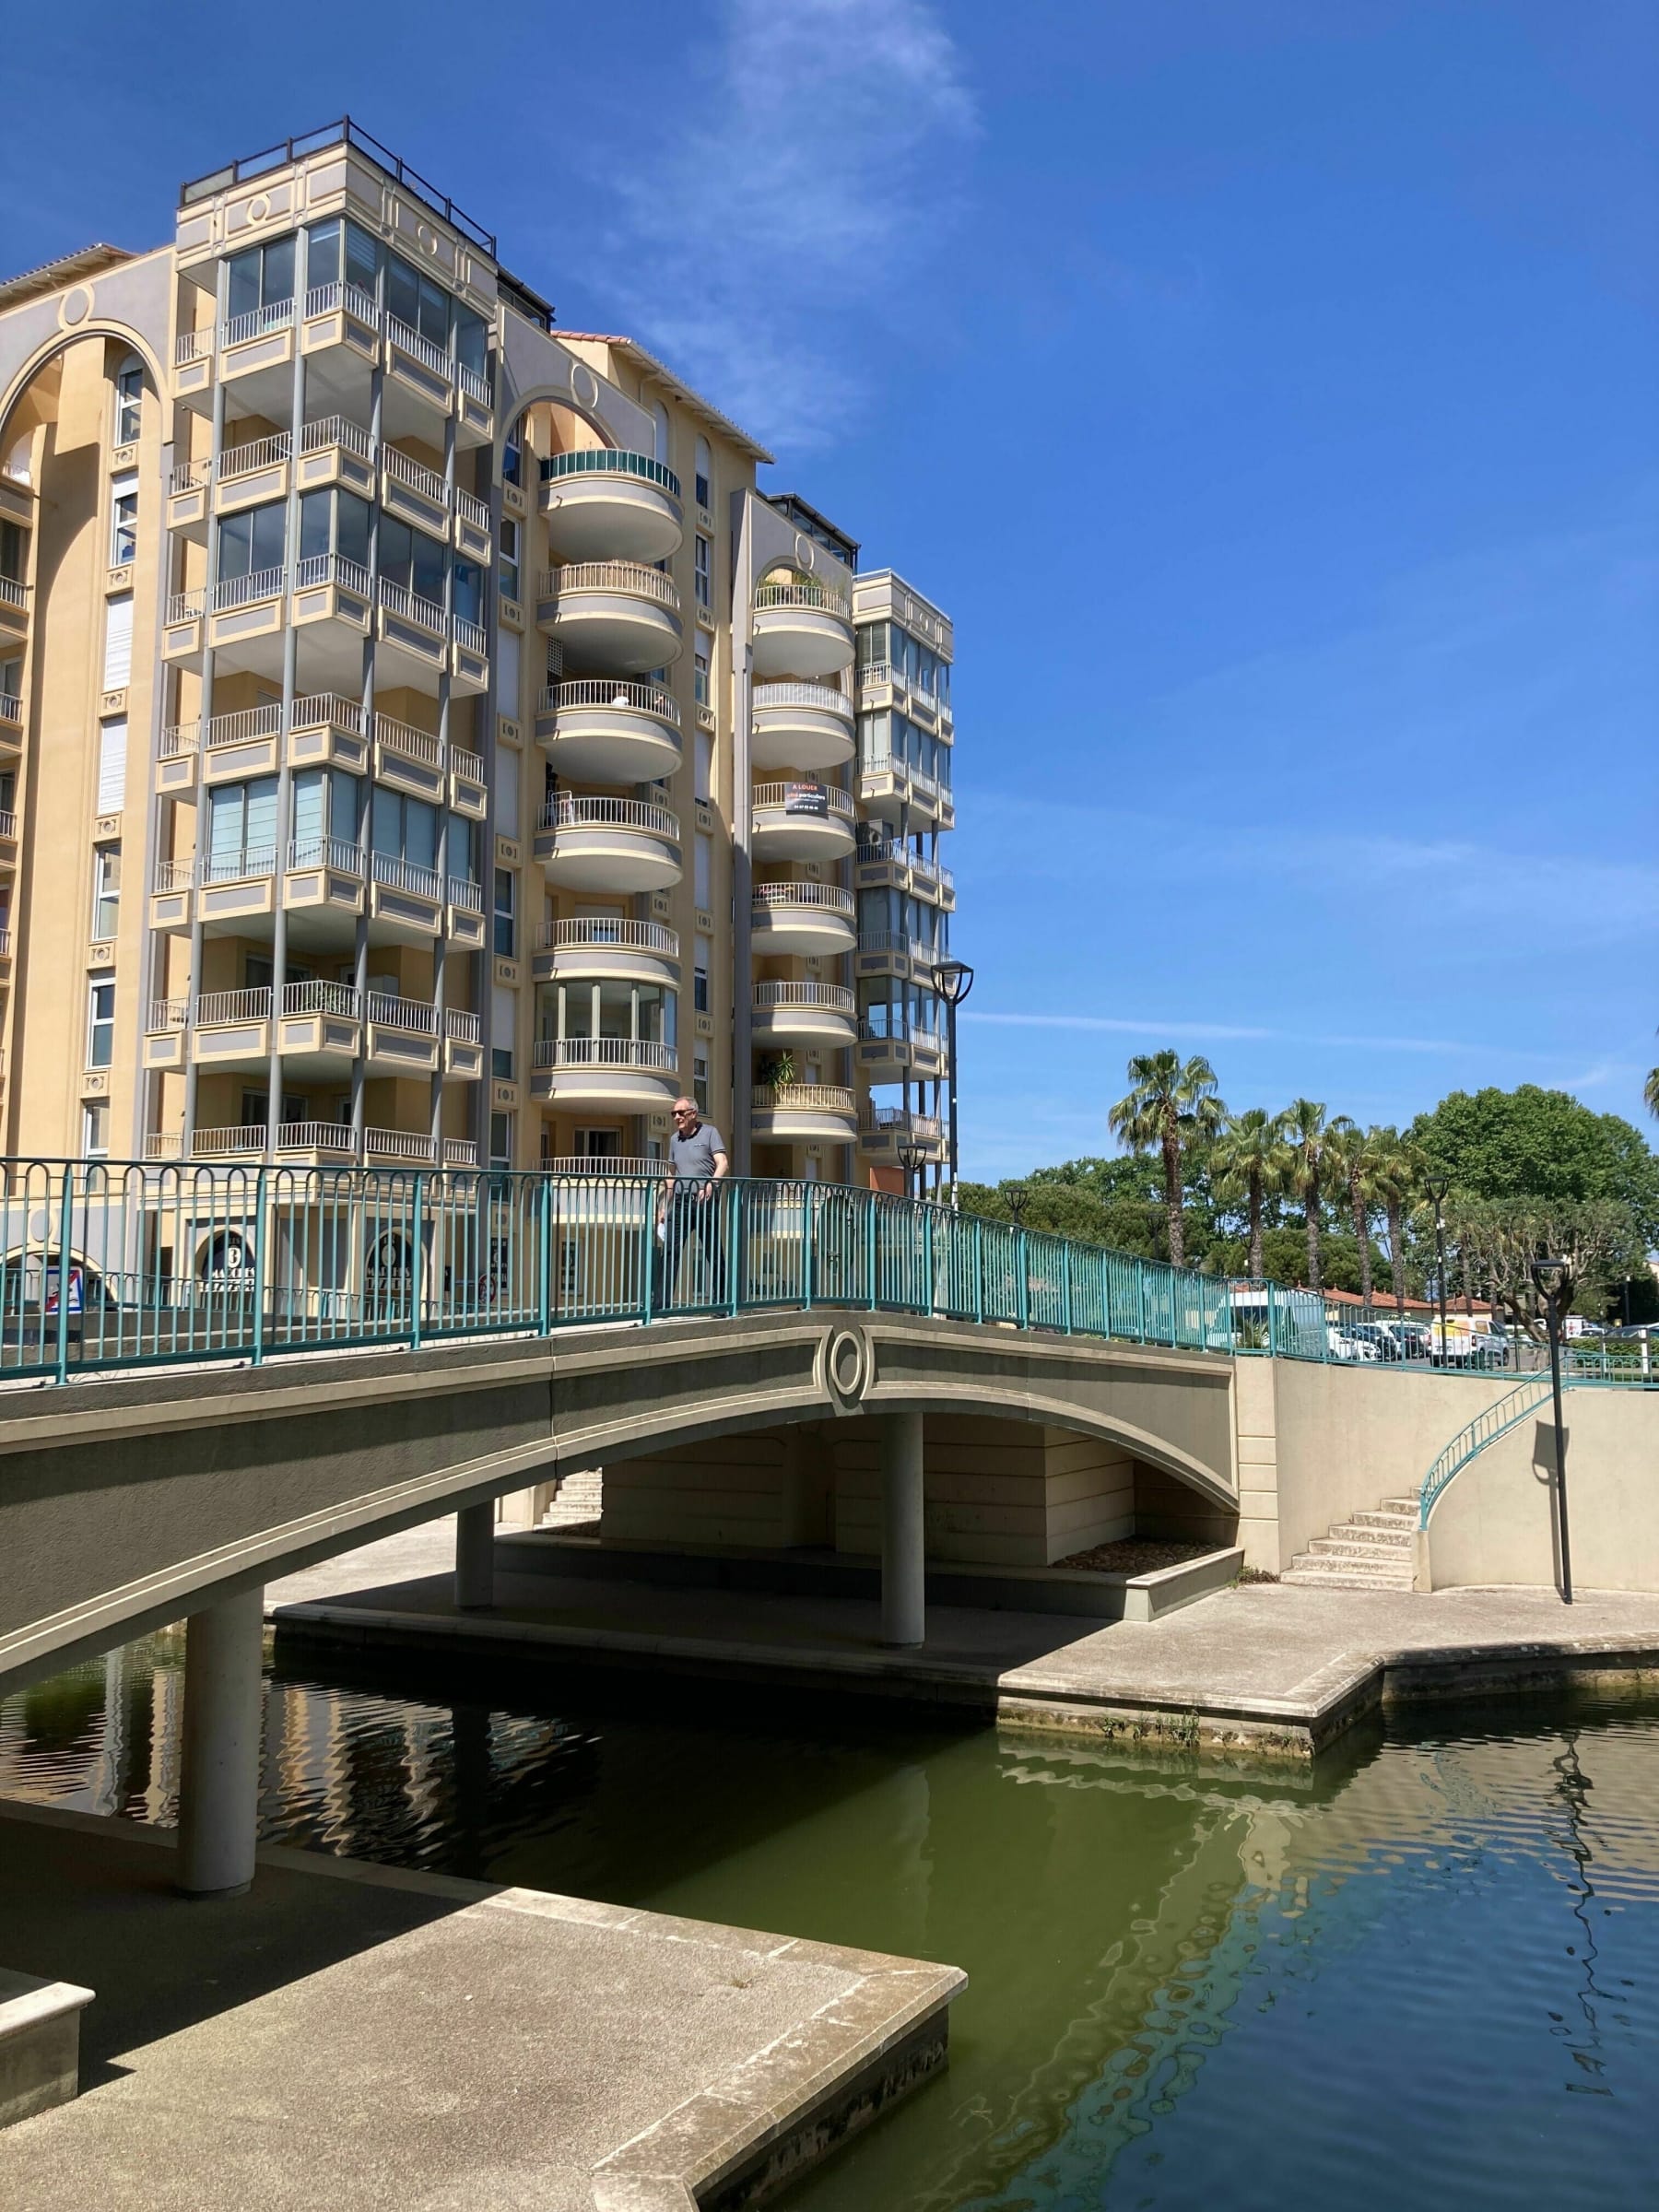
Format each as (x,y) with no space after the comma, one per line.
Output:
(1544,1145)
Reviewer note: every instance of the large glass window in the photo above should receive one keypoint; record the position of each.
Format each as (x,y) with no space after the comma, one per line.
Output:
(95,1129)
(461,851)
(252,542)
(414,298)
(512,456)
(703,574)
(402,828)
(327,803)
(341,252)
(705,471)
(643,1013)
(262,277)
(472,340)
(242,827)
(409,557)
(699,975)
(506,914)
(334,522)
(509,558)
(468,605)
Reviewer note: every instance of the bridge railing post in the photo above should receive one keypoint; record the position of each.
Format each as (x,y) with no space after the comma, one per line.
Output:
(736,1194)
(66,1231)
(1022,1280)
(417,1266)
(1066,1286)
(927,1259)
(808,1242)
(1140,1282)
(979,1267)
(544,1257)
(648,1259)
(262,1271)
(871,1218)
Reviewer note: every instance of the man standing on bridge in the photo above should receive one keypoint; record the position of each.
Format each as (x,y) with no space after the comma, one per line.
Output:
(688,1210)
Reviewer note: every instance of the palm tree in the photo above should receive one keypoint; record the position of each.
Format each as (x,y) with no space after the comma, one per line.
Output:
(1170,1108)
(1358,1158)
(1309,1133)
(1249,1161)
(1651,1093)
(1395,1177)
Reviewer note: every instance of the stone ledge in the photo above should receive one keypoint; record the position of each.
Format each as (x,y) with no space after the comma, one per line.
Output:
(40,2043)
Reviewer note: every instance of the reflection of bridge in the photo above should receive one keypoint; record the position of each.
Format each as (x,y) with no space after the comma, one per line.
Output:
(257,1370)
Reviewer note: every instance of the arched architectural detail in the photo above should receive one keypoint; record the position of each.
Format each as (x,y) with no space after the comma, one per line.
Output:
(60,342)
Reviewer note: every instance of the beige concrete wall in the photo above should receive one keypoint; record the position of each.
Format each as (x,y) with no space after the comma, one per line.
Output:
(1494,1523)
(1343,1439)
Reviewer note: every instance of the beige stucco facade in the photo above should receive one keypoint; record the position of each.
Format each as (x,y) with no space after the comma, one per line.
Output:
(421,740)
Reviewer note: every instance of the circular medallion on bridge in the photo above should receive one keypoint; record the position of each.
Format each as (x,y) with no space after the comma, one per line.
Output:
(846,1366)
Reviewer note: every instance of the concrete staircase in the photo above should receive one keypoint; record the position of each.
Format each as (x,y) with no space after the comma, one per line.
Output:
(578,1500)
(1372,1551)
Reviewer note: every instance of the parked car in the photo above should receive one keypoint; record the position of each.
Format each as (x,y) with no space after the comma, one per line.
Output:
(1345,1344)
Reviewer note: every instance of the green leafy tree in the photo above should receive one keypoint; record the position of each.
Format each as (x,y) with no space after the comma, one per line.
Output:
(1250,1161)
(1502,1237)
(1396,1178)
(1358,1159)
(1309,1135)
(1537,1143)
(1172,1108)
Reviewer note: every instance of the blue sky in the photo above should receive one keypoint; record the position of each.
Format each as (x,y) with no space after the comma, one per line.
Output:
(1267,387)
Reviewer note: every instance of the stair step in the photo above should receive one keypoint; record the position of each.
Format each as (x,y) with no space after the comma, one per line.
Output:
(1371,1567)
(1342,1574)
(1375,1539)
(1365,1555)
(1380,1518)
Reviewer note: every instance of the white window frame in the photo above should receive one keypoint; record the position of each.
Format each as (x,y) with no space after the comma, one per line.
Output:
(703,568)
(124,519)
(101,1025)
(93,1111)
(129,400)
(106,890)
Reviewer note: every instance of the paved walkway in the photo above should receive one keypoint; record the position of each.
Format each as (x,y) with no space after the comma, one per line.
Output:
(1264,1665)
(358,2036)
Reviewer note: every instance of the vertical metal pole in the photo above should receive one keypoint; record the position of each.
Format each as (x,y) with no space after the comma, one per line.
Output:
(544,1247)
(66,1231)
(979,1260)
(870,1238)
(648,1260)
(927,1259)
(1023,1280)
(260,1265)
(808,1244)
(417,1266)
(1066,1284)
(1561,1444)
(732,1234)
(951,1040)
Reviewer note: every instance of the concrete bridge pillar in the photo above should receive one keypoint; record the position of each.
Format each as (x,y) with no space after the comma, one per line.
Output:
(903,1582)
(475,1555)
(219,1782)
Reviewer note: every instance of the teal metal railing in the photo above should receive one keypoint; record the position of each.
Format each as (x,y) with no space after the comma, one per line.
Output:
(190,1261)
(113,1265)
(1489,1425)
(608,461)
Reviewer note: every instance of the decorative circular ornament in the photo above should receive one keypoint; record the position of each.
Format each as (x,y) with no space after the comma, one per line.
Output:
(846,1367)
(585,387)
(426,238)
(75,306)
(805,552)
(259,207)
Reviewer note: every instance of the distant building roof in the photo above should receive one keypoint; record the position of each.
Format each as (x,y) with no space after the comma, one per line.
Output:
(676,386)
(53,275)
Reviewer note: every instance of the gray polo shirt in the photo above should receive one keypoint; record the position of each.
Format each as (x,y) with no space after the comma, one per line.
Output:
(693,1156)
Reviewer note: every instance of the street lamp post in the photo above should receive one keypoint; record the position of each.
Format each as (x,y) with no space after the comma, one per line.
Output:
(952,980)
(1437,1187)
(912,1154)
(1551,1276)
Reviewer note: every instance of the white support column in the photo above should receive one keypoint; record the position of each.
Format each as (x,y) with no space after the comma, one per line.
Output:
(903,1583)
(475,1554)
(218,1784)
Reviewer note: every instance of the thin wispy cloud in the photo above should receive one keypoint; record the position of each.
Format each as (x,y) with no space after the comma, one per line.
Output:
(821,165)
(1222,1032)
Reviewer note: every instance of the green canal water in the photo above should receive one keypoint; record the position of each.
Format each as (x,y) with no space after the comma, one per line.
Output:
(1428,1976)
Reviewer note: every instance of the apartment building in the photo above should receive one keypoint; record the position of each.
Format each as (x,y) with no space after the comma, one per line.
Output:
(421,741)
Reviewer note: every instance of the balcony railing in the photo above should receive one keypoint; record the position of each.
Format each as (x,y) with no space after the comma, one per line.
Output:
(8,823)
(185,606)
(474,386)
(875,1120)
(600,691)
(467,895)
(312,997)
(11,709)
(408,1014)
(811,1097)
(316,997)
(403,738)
(470,508)
(321,709)
(607,1052)
(237,729)
(897,1028)
(833,998)
(829,895)
(425,614)
(897,941)
(336,429)
(460,1025)
(259,452)
(430,356)
(603,461)
(276,314)
(781,795)
(633,577)
(399,875)
(819,598)
(192,345)
(331,568)
(825,697)
(327,298)
(191,475)
(247,591)
(213,1008)
(618,1163)
(601,930)
(568,813)
(326,853)
(472,637)
(420,478)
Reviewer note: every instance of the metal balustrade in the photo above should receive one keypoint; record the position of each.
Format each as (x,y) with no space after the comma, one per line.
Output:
(404,738)
(812,1098)
(247,460)
(602,930)
(336,429)
(408,1014)
(8,823)
(466,894)
(276,314)
(399,875)
(331,568)
(817,598)
(423,351)
(213,1008)
(425,614)
(606,460)
(825,697)
(633,577)
(779,794)
(567,813)
(607,1052)
(834,997)
(610,691)
(247,591)
(415,475)
(238,728)
(768,896)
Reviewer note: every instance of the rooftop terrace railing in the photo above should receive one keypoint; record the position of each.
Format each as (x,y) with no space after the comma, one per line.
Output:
(343,131)
(109,1265)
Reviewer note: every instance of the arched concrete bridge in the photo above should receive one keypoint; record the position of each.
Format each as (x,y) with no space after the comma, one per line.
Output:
(128,1501)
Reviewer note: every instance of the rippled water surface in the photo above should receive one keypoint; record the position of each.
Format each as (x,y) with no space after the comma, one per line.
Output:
(1431,1978)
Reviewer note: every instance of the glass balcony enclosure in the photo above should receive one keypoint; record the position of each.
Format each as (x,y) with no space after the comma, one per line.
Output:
(643,1013)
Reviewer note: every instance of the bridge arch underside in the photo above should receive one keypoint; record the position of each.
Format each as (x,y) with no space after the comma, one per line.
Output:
(126,1504)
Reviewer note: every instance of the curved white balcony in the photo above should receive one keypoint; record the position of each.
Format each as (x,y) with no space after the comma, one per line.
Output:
(801,630)
(801,725)
(807,918)
(619,1072)
(616,615)
(810,1113)
(605,505)
(790,1013)
(603,730)
(608,844)
(802,822)
(607,948)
